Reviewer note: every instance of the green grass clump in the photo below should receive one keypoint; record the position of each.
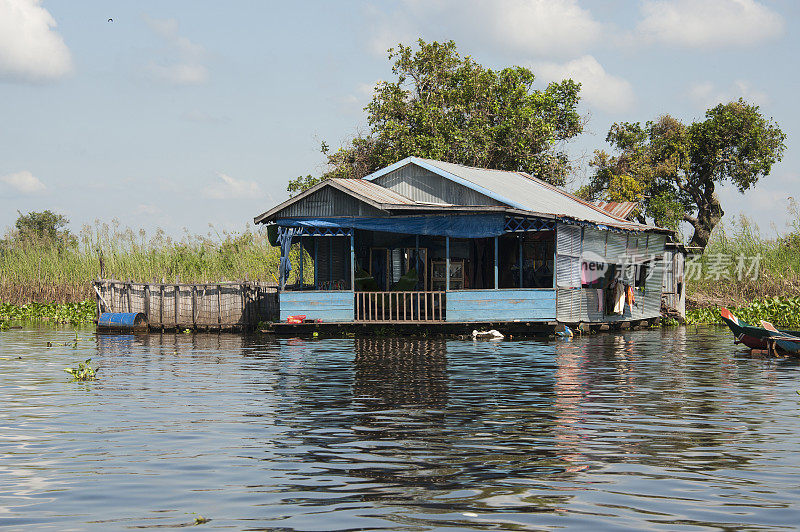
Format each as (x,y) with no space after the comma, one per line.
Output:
(780,311)
(72,313)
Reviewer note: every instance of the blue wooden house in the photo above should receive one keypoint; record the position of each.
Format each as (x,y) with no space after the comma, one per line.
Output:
(425,241)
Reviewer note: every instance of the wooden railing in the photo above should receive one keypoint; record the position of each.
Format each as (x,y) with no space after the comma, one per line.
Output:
(400,306)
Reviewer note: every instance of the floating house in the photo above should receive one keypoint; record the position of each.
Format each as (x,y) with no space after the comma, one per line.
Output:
(425,241)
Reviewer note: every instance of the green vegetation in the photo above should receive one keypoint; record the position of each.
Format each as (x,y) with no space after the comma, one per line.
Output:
(725,274)
(672,169)
(84,372)
(780,311)
(445,106)
(71,313)
(39,268)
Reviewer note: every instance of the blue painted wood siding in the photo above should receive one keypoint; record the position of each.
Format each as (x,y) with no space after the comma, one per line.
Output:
(501,305)
(318,305)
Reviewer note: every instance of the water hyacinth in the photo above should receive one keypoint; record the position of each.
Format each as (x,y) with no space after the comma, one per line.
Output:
(780,311)
(71,313)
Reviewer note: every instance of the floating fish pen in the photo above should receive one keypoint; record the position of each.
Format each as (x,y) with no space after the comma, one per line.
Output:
(204,306)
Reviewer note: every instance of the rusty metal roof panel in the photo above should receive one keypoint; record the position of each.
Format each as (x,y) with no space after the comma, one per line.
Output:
(620,209)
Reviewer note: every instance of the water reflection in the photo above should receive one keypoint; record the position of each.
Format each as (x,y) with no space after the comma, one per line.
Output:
(400,371)
(646,429)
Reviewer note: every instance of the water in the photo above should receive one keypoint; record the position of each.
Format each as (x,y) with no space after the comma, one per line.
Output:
(661,430)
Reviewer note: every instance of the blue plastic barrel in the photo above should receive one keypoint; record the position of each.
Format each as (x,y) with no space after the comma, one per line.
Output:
(122,320)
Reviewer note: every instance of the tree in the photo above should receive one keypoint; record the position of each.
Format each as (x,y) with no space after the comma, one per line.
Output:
(673,169)
(44,227)
(447,107)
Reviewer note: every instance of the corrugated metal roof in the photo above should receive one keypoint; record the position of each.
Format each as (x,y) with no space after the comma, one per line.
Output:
(373,191)
(620,209)
(521,190)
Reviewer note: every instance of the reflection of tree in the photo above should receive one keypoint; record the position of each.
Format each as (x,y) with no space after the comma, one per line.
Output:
(652,399)
(401,371)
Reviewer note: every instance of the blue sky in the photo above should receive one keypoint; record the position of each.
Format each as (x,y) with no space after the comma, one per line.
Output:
(183,113)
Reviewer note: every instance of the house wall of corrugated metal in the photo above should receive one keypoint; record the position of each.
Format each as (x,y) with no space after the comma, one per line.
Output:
(575,304)
(423,185)
(594,243)
(568,273)
(616,245)
(655,244)
(328,202)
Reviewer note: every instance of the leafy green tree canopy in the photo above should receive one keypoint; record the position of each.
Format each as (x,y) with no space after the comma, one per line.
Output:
(42,227)
(448,107)
(673,169)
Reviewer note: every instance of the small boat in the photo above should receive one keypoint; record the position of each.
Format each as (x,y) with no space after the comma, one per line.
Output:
(789,342)
(760,337)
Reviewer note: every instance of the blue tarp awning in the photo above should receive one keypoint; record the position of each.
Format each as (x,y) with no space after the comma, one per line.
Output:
(452,225)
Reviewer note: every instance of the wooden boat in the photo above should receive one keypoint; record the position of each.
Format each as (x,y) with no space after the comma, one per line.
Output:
(757,337)
(781,339)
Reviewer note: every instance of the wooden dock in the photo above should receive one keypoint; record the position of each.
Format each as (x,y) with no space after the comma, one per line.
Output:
(203,306)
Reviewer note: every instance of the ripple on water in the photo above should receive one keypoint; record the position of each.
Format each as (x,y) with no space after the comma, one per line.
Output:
(672,429)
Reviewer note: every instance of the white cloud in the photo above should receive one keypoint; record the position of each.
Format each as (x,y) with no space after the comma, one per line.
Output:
(230,188)
(30,48)
(528,27)
(706,95)
(598,88)
(23,182)
(708,23)
(182,60)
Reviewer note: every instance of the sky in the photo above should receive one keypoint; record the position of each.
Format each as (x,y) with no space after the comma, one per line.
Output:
(192,115)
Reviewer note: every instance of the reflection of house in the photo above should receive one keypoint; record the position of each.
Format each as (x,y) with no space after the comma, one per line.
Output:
(428,241)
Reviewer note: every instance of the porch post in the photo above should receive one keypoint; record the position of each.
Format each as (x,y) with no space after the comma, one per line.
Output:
(352,260)
(300,265)
(447,264)
(416,262)
(330,262)
(496,269)
(280,270)
(316,265)
(519,241)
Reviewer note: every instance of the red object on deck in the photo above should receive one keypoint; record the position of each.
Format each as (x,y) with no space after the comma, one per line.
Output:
(296,319)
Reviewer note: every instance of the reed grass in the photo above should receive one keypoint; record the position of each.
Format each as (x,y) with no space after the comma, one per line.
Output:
(57,272)
(779,264)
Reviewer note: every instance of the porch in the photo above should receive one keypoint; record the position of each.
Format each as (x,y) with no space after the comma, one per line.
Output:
(351,275)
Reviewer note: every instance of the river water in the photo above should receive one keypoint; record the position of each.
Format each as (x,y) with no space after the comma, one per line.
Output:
(660,429)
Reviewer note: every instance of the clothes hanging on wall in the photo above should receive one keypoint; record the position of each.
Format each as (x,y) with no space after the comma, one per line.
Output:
(629,296)
(600,301)
(616,298)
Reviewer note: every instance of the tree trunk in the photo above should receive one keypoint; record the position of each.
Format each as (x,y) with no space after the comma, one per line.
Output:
(709,213)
